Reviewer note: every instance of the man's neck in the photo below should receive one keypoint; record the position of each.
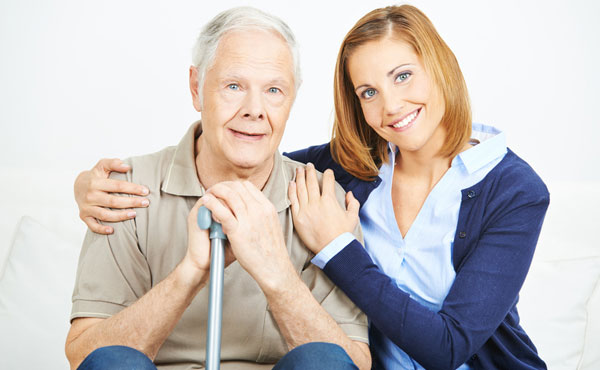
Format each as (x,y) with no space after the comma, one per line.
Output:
(212,170)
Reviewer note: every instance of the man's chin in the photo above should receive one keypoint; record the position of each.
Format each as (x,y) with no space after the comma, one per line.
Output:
(250,162)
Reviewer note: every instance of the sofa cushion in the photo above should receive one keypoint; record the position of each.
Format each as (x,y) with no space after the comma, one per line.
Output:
(35,298)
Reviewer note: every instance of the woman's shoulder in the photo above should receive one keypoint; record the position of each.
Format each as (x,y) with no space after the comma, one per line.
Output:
(319,155)
(515,175)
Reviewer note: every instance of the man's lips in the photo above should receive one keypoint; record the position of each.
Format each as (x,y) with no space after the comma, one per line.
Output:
(407,120)
(247,135)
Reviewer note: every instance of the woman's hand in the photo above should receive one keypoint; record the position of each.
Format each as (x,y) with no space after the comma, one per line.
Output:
(318,217)
(92,190)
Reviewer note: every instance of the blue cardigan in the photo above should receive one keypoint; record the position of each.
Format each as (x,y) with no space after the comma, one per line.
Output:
(498,227)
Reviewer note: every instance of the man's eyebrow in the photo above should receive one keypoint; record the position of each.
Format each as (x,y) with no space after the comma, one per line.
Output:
(279,81)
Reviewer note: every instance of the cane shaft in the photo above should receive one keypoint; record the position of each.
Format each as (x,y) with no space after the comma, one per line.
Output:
(215,309)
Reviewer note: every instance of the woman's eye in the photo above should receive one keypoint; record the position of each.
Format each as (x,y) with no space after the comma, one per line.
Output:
(369,93)
(274,90)
(402,76)
(233,87)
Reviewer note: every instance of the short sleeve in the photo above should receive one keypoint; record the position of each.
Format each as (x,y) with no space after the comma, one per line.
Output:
(112,273)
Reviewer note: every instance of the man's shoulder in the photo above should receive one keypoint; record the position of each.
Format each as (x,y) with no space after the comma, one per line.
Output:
(148,169)
(290,166)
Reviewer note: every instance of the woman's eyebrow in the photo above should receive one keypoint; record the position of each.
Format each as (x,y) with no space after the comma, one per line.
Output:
(395,68)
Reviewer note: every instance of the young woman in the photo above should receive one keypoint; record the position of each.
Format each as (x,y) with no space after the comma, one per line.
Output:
(450,216)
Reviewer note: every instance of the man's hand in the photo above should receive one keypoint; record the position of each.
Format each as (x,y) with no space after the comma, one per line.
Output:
(252,227)
(318,217)
(92,190)
(198,252)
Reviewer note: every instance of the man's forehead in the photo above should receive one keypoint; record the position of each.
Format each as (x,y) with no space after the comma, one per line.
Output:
(253,49)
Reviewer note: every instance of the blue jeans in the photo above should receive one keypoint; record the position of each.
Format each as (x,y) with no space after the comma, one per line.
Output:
(309,356)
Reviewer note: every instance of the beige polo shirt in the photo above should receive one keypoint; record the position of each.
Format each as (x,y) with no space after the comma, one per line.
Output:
(116,270)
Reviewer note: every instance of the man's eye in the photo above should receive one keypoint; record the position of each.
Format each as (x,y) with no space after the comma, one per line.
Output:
(274,90)
(402,76)
(369,93)
(233,87)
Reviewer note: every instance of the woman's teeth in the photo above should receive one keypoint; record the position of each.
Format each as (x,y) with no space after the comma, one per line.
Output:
(406,120)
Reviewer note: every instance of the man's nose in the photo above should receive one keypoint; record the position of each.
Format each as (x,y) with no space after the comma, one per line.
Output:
(253,106)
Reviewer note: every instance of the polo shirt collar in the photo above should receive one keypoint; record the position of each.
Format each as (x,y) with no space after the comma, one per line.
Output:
(182,179)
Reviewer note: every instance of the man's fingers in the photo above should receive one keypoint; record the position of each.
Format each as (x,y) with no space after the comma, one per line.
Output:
(96,227)
(256,194)
(119,186)
(229,192)
(220,213)
(301,186)
(312,184)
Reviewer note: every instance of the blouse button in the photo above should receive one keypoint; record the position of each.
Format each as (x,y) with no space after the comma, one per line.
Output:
(462,234)
(471,194)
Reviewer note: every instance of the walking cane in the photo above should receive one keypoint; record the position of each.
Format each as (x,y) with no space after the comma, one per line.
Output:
(215,299)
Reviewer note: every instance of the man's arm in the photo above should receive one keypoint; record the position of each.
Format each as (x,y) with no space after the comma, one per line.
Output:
(254,232)
(147,323)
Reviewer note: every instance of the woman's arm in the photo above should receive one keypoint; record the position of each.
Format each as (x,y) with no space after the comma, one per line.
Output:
(93,195)
(486,287)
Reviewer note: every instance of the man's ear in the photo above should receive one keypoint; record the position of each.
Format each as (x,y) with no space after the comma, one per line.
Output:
(194,88)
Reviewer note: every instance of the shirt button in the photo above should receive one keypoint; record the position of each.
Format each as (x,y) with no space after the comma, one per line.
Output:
(462,234)
(471,194)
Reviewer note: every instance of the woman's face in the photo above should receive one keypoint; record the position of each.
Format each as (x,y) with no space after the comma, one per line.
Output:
(399,99)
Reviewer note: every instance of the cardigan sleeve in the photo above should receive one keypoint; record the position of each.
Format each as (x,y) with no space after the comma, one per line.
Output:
(485,289)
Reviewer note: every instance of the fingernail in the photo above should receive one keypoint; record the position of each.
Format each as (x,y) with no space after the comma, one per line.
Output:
(124,165)
(145,191)
(309,164)
(131,214)
(145,203)
(108,230)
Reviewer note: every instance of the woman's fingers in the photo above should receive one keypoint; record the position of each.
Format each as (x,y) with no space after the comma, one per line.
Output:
(293,197)
(118,186)
(329,183)
(105,214)
(107,165)
(312,184)
(301,186)
(352,205)
(97,227)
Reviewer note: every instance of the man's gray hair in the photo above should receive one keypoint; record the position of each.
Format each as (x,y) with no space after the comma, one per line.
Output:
(243,17)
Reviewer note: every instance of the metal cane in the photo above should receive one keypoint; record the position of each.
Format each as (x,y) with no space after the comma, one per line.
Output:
(215,300)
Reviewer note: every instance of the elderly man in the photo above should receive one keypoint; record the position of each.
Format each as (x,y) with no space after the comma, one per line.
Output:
(140,293)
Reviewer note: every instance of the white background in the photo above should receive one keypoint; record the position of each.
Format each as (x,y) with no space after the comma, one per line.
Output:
(81,80)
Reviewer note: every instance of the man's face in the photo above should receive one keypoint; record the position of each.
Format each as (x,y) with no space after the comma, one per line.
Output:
(247,96)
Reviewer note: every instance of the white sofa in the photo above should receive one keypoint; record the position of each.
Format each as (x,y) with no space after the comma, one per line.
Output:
(559,306)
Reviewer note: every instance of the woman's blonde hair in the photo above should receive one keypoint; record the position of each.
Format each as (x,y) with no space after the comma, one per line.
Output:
(355,145)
